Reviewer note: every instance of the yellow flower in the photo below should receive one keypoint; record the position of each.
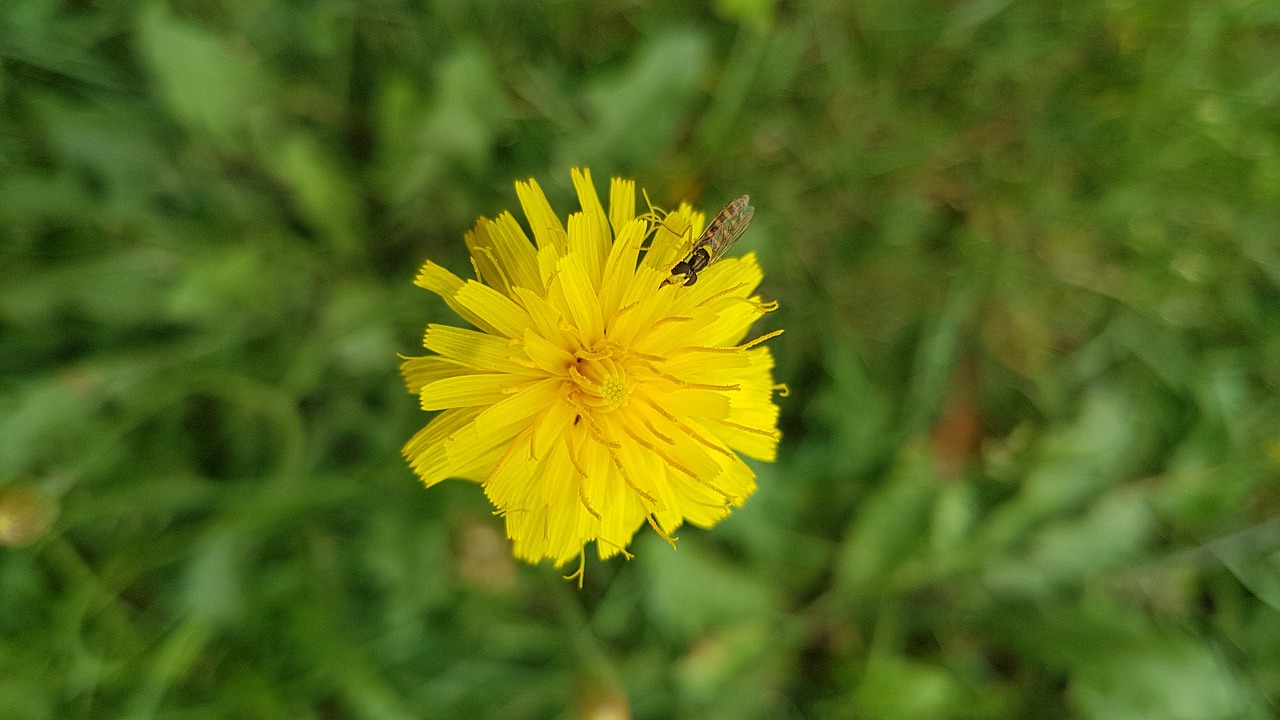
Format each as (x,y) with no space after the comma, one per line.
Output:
(592,398)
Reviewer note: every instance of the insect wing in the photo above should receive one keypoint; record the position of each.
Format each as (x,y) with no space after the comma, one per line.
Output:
(728,226)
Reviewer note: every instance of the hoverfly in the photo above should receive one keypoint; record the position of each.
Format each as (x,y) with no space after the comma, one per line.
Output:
(723,230)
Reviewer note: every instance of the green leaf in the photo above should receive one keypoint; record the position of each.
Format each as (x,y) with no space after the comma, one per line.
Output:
(889,525)
(637,113)
(893,687)
(758,14)
(213,89)
(691,591)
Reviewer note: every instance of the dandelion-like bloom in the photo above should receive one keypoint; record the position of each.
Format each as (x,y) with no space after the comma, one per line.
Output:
(592,398)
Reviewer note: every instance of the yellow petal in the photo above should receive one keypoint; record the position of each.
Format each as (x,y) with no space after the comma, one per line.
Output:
(425,451)
(584,244)
(517,410)
(548,262)
(579,299)
(483,258)
(510,485)
(703,367)
(474,349)
(496,310)
(440,281)
(551,427)
(680,329)
(571,523)
(547,320)
(674,444)
(643,303)
(704,504)
(547,230)
(536,527)
(682,402)
(548,356)
(472,455)
(622,530)
(751,444)
(515,253)
(751,427)
(736,478)
(593,211)
(622,203)
(621,265)
(465,391)
(732,323)
(601,483)
(642,457)
(419,371)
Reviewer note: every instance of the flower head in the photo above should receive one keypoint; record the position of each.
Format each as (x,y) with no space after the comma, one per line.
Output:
(592,398)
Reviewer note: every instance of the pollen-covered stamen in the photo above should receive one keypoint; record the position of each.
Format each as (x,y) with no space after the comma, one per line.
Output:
(774,434)
(671,319)
(733,387)
(712,298)
(581,572)
(546,284)
(729,350)
(615,546)
(497,265)
(654,431)
(582,476)
(533,434)
(605,351)
(625,308)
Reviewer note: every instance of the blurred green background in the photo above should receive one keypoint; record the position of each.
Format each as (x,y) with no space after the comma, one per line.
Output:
(1029,265)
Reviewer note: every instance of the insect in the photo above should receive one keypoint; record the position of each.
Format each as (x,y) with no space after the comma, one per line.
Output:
(723,230)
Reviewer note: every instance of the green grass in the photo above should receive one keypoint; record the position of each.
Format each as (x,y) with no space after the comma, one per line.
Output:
(1029,266)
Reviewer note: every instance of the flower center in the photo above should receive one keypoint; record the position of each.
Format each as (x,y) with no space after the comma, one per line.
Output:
(614,391)
(601,382)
